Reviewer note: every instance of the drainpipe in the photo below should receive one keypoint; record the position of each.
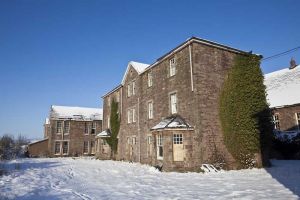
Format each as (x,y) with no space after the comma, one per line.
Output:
(191,67)
(139,132)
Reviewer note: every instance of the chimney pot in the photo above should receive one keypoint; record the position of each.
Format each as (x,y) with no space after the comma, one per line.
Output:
(292,64)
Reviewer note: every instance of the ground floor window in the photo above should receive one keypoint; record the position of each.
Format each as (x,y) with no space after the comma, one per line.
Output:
(85,147)
(276,122)
(298,120)
(159,146)
(92,147)
(57,148)
(65,147)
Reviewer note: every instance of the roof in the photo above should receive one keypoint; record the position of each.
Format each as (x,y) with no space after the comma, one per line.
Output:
(283,87)
(139,67)
(172,122)
(75,113)
(105,133)
(112,91)
(34,142)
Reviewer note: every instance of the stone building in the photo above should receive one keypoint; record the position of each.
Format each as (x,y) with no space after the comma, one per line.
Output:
(170,109)
(283,89)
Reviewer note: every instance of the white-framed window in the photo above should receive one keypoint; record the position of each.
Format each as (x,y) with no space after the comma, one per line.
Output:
(65,147)
(85,147)
(298,120)
(66,127)
(133,140)
(133,87)
(276,121)
(94,127)
(57,148)
(150,83)
(150,110)
(86,128)
(149,140)
(59,125)
(129,90)
(172,68)
(173,103)
(128,140)
(92,143)
(159,141)
(129,116)
(104,142)
(177,139)
(133,115)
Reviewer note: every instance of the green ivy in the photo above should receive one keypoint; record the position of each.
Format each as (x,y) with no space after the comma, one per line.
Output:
(244,112)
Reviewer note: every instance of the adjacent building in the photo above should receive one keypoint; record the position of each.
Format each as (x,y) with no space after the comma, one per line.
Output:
(283,89)
(169,110)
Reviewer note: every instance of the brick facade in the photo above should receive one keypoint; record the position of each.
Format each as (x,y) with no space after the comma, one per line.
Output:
(39,148)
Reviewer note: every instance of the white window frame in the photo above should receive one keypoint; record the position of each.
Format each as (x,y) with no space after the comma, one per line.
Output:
(59,143)
(86,128)
(150,79)
(133,87)
(173,103)
(150,110)
(67,128)
(133,140)
(59,130)
(276,120)
(128,141)
(159,144)
(108,121)
(129,90)
(67,148)
(172,67)
(177,138)
(94,128)
(88,148)
(133,115)
(149,139)
(129,116)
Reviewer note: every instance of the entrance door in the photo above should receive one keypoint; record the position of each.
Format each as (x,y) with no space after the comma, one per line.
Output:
(178,151)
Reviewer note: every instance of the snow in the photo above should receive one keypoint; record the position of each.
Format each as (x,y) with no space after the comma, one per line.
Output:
(80,113)
(84,178)
(139,67)
(283,87)
(105,133)
(47,121)
(287,136)
(171,122)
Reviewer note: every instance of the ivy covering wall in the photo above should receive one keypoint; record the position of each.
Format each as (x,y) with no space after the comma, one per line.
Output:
(244,112)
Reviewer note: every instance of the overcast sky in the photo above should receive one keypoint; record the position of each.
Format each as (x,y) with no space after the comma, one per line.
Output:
(70,52)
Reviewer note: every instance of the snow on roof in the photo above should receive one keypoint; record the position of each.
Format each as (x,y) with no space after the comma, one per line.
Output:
(37,141)
(283,87)
(172,122)
(47,121)
(76,113)
(139,67)
(105,133)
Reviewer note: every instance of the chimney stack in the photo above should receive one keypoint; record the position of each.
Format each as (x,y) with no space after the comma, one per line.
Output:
(292,64)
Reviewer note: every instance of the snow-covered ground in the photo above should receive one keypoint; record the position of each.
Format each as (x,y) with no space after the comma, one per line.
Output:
(85,178)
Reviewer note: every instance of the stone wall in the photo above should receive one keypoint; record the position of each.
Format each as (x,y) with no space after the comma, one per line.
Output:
(39,149)
(287,117)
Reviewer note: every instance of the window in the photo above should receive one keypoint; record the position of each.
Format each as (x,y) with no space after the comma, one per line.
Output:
(160,147)
(108,101)
(133,115)
(150,79)
(177,139)
(57,148)
(150,110)
(173,102)
(86,128)
(94,126)
(129,116)
(59,127)
(92,147)
(65,147)
(117,97)
(298,119)
(276,122)
(172,68)
(129,90)
(66,127)
(133,140)
(128,140)
(133,87)
(104,142)
(149,140)
(85,147)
